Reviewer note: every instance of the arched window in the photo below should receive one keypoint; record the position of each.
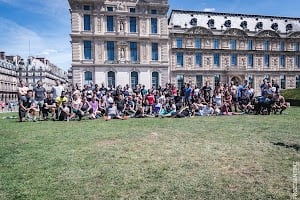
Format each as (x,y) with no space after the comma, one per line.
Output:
(180,80)
(134,79)
(155,79)
(111,79)
(88,77)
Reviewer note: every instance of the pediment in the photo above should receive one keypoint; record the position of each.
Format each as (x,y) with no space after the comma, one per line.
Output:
(199,30)
(267,33)
(295,34)
(235,32)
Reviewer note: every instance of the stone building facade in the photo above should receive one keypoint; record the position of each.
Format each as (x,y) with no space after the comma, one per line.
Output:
(223,47)
(134,41)
(8,78)
(14,68)
(120,42)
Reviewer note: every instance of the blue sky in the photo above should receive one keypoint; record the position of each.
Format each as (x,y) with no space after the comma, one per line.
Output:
(45,24)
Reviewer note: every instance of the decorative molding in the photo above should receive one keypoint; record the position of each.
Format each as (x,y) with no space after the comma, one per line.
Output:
(199,30)
(268,33)
(294,34)
(235,32)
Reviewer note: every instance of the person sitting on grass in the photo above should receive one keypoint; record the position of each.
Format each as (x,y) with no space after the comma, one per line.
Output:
(75,106)
(27,106)
(85,108)
(65,112)
(168,109)
(49,106)
(208,110)
(112,112)
(95,113)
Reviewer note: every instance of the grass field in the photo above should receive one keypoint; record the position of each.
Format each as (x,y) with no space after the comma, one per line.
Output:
(229,157)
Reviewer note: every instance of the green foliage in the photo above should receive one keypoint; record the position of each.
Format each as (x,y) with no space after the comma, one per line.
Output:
(229,157)
(291,93)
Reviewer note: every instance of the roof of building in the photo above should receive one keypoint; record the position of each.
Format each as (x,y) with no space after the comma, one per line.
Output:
(222,21)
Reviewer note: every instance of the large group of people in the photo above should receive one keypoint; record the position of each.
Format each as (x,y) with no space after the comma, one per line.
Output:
(97,101)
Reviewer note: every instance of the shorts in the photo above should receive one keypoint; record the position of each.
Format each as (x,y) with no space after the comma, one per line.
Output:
(39,104)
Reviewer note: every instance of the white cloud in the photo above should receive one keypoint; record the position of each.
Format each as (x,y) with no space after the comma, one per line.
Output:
(209,9)
(18,40)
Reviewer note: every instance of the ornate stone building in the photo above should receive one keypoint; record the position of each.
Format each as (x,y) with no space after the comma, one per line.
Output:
(120,42)
(34,69)
(8,78)
(14,68)
(224,47)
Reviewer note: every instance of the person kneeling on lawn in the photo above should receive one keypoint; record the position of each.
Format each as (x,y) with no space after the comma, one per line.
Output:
(49,106)
(27,105)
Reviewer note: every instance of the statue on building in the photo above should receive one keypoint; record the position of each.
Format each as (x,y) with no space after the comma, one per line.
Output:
(122,26)
(122,54)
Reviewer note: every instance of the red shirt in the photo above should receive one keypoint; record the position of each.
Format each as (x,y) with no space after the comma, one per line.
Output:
(150,99)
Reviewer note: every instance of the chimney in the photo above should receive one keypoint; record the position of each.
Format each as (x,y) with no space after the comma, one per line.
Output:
(2,55)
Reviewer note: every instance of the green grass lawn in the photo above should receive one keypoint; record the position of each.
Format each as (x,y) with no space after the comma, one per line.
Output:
(228,157)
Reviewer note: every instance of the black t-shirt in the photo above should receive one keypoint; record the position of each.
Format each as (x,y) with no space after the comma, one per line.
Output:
(49,102)
(26,102)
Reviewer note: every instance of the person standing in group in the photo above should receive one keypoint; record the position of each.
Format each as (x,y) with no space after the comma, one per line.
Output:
(39,94)
(2,105)
(22,89)
(57,89)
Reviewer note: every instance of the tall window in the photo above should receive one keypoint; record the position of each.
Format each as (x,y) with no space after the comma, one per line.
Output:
(155,51)
(180,79)
(110,50)
(155,79)
(267,77)
(199,80)
(296,46)
(132,24)
(88,77)
(111,79)
(87,45)
(233,44)
(133,51)
(266,60)
(110,23)
(266,45)
(251,80)
(179,42)
(282,61)
(216,44)
(153,12)
(250,44)
(298,81)
(250,60)
(198,60)
(154,25)
(297,61)
(132,10)
(86,7)
(217,79)
(87,22)
(134,79)
(282,81)
(198,43)
(179,56)
(216,59)
(234,59)
(281,46)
